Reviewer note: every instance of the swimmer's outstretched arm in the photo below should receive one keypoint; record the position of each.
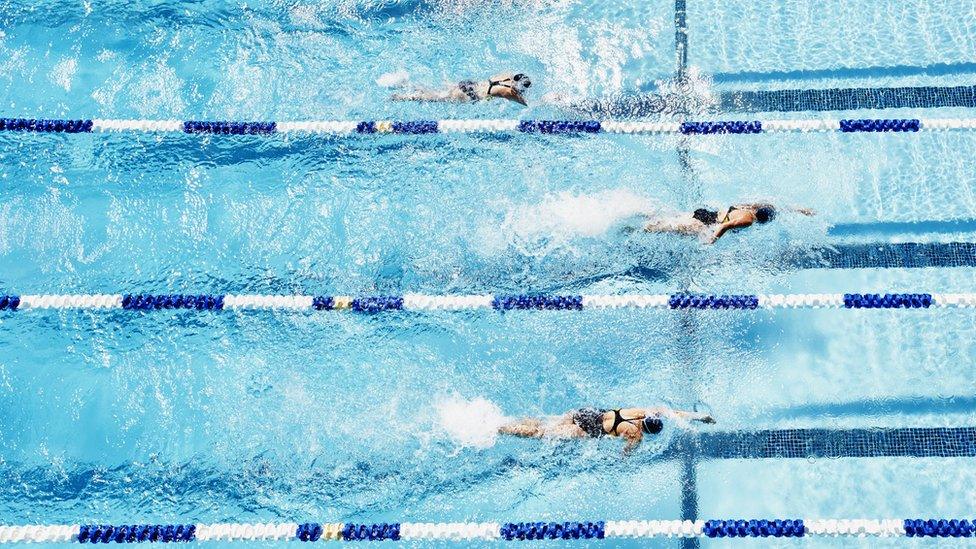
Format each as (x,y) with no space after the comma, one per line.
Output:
(797,209)
(632,443)
(663,411)
(726,227)
(511,95)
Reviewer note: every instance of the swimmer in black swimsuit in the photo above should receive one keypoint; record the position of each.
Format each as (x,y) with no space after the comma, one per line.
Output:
(631,424)
(505,86)
(706,223)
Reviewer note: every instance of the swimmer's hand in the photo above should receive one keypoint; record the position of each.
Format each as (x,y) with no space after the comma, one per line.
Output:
(709,237)
(632,444)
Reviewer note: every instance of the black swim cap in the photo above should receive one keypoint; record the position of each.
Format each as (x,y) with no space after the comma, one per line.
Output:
(652,425)
(765,214)
(708,217)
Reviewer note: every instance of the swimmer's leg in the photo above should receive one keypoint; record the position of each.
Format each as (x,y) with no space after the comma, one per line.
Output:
(637,222)
(529,427)
(565,430)
(422,94)
(563,427)
(687,228)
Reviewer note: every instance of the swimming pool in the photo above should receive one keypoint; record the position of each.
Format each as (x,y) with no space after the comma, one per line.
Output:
(178,416)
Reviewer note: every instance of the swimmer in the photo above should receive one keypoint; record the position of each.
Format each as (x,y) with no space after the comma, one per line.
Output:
(505,86)
(710,225)
(631,424)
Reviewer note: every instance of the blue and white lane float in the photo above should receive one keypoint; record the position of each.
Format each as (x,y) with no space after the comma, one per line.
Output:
(526,302)
(511,531)
(418,127)
(422,302)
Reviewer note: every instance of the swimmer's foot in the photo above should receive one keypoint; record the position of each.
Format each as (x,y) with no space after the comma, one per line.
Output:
(703,416)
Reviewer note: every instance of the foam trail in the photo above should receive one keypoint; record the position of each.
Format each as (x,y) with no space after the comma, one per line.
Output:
(471,423)
(564,217)
(582,215)
(396,79)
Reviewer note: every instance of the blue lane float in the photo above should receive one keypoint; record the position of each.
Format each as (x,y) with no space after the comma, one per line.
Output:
(148,302)
(939,528)
(9,302)
(323,303)
(45,125)
(754,528)
(371,532)
(887,301)
(309,531)
(162,533)
(415,127)
(367,126)
(559,126)
(706,128)
(704,301)
(527,531)
(538,302)
(377,304)
(229,128)
(880,125)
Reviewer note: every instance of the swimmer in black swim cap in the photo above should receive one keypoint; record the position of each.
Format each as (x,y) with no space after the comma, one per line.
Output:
(631,424)
(710,225)
(503,86)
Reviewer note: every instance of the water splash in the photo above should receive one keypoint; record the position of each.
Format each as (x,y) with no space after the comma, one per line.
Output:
(472,423)
(394,79)
(538,229)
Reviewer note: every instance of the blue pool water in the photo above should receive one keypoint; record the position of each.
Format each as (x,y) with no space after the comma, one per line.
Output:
(278,416)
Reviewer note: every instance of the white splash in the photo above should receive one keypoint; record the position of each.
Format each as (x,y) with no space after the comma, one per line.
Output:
(64,72)
(472,423)
(565,216)
(396,79)
(693,94)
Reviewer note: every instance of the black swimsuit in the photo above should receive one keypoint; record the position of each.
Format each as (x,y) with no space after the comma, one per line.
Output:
(710,217)
(730,210)
(590,420)
(467,87)
(493,83)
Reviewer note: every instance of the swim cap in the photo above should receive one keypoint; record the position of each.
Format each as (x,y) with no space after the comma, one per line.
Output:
(652,425)
(522,82)
(765,214)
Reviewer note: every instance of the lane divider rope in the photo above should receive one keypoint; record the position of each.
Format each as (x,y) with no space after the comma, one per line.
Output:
(421,302)
(415,127)
(510,531)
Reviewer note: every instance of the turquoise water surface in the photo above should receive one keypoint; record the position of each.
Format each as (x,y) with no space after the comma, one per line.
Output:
(280,416)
